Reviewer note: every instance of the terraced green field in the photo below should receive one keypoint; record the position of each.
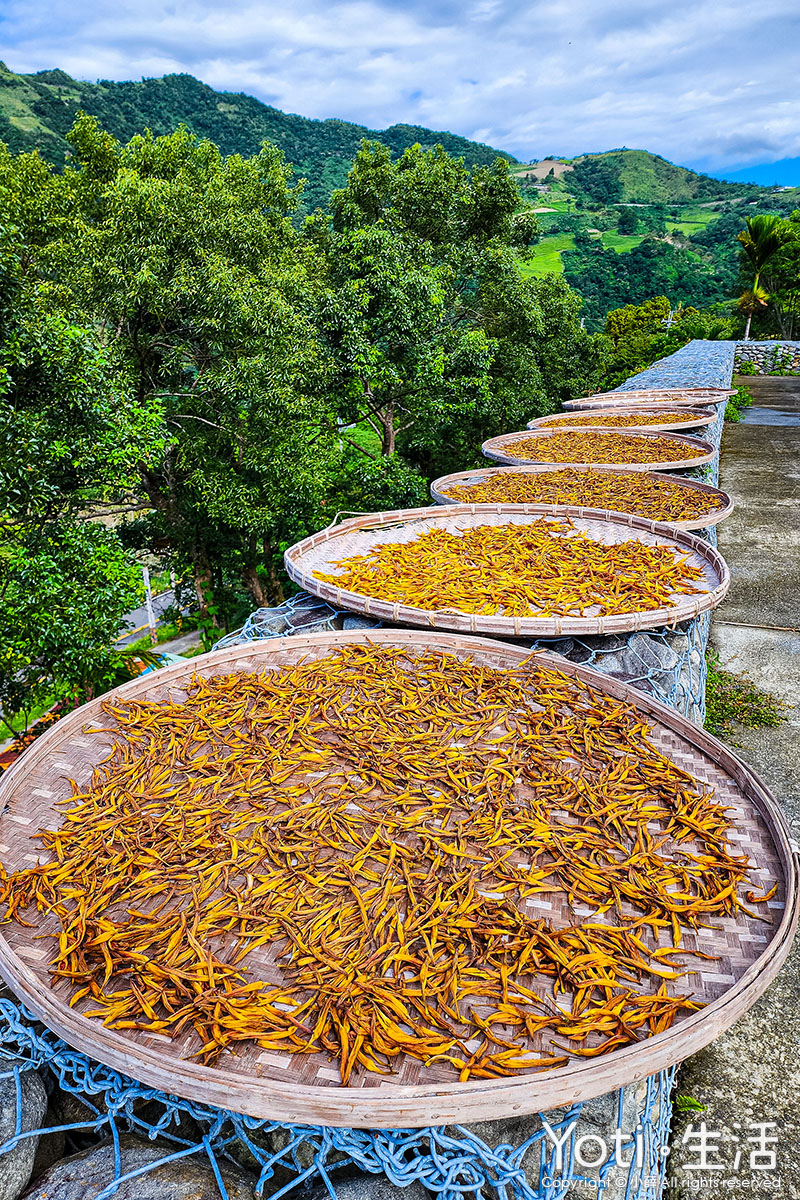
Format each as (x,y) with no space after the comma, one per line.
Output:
(620,241)
(692,219)
(547,256)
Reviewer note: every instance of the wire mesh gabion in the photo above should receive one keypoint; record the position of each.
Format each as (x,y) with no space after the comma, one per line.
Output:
(533,1158)
(132,1140)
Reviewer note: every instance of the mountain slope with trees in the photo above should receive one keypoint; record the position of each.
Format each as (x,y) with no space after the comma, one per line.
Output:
(627,225)
(37,111)
(630,177)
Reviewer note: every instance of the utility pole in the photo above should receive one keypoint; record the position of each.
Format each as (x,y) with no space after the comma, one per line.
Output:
(148,600)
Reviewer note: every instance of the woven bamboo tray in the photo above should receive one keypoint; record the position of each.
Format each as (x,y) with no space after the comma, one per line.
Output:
(305,1088)
(494,448)
(694,418)
(473,478)
(677,397)
(360,534)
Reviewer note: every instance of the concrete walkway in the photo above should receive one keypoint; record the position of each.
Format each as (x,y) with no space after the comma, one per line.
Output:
(751,1075)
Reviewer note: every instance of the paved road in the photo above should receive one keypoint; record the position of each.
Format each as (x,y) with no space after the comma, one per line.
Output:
(760,467)
(135,623)
(752,1073)
(776,399)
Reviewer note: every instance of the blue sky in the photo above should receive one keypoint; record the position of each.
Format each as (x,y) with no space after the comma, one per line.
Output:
(714,84)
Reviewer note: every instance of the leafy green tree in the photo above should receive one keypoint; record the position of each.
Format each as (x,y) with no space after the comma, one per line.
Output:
(782,277)
(628,221)
(438,340)
(761,241)
(643,333)
(65,581)
(622,322)
(272,371)
(205,294)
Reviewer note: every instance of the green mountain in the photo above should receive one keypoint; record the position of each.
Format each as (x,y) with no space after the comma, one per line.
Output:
(36,111)
(629,177)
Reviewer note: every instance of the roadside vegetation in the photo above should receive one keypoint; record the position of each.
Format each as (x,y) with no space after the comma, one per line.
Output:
(734,700)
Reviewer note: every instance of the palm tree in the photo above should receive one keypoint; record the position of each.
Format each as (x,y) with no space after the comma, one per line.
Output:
(752,301)
(762,239)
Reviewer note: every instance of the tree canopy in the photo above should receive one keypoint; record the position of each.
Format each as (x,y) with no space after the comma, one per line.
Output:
(65,581)
(253,371)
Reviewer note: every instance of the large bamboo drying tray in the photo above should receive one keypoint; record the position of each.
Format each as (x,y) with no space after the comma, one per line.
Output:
(304,1088)
(679,397)
(358,535)
(494,449)
(694,419)
(473,478)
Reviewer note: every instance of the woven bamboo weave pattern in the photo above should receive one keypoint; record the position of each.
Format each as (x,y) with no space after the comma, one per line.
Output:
(564,486)
(262,1083)
(627,418)
(318,555)
(674,397)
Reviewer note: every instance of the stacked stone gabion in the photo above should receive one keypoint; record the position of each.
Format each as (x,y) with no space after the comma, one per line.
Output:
(768,357)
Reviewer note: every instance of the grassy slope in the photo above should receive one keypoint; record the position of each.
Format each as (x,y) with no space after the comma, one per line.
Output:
(645,179)
(547,256)
(649,179)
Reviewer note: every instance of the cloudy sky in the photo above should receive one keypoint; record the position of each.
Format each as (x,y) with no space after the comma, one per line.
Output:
(713,84)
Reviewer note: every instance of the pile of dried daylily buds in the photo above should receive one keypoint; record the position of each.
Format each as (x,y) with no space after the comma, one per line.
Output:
(638,420)
(588,446)
(377,855)
(541,568)
(658,499)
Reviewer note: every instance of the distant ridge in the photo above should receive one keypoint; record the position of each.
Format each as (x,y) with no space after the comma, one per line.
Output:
(36,111)
(640,177)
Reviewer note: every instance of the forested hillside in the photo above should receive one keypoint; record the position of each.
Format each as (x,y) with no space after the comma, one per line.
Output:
(36,111)
(629,177)
(627,225)
(622,226)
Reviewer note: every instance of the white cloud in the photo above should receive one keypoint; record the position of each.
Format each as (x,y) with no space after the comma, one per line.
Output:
(713,83)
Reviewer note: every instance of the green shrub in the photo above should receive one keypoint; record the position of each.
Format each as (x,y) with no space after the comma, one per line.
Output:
(739,401)
(735,698)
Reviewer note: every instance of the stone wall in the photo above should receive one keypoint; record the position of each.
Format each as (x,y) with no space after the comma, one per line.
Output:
(768,356)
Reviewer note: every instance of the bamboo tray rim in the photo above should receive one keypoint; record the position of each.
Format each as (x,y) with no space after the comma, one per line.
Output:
(480,473)
(496,625)
(493,448)
(419,1105)
(680,397)
(694,419)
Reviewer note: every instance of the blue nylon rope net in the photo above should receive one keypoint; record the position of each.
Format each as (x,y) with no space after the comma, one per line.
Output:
(451,1162)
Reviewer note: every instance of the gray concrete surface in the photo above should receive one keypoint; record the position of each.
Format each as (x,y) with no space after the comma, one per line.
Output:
(760,467)
(751,1075)
(179,645)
